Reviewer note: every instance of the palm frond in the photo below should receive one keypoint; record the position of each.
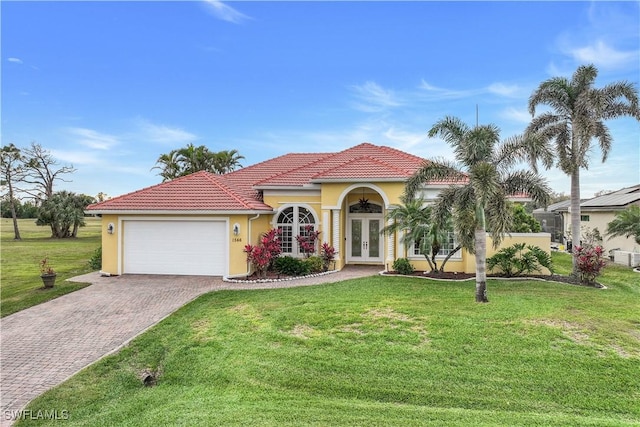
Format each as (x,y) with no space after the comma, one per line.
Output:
(485,180)
(499,217)
(584,77)
(530,183)
(478,145)
(433,170)
(554,92)
(464,227)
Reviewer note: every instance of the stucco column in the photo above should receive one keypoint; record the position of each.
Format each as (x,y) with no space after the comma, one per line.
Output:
(325,227)
(335,241)
(390,245)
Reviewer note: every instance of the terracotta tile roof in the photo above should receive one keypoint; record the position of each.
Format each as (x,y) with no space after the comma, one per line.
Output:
(246,178)
(201,191)
(404,163)
(241,190)
(364,167)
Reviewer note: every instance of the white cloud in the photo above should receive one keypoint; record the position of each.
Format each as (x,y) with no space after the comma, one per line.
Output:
(602,55)
(436,93)
(504,89)
(225,12)
(607,38)
(426,86)
(93,139)
(15,60)
(77,157)
(374,98)
(516,115)
(163,134)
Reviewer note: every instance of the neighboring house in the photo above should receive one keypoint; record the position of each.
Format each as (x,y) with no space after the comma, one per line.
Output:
(598,212)
(552,221)
(199,224)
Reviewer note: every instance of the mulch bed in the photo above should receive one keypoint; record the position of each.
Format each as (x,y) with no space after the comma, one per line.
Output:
(447,275)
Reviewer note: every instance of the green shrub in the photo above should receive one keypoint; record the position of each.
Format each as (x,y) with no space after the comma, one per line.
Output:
(95,262)
(514,260)
(290,266)
(315,264)
(402,266)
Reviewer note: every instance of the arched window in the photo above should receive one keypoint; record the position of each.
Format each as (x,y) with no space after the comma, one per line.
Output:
(292,222)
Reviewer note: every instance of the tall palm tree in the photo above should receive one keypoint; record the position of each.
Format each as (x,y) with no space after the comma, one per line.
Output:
(482,181)
(626,223)
(578,112)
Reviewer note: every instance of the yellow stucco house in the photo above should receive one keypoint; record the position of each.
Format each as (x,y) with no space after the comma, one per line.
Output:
(199,224)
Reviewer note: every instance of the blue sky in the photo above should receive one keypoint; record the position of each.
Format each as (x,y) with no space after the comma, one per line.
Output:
(109,86)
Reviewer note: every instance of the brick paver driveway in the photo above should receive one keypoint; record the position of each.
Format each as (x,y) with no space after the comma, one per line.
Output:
(44,345)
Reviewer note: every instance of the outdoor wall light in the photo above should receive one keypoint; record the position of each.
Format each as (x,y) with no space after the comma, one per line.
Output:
(236,229)
(110,228)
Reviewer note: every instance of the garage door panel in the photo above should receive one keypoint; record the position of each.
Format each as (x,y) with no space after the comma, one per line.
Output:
(175,247)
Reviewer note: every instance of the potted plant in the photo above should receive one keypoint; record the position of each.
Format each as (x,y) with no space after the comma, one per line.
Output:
(47,273)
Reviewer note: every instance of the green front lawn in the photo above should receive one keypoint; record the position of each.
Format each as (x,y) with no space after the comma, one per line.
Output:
(378,351)
(21,286)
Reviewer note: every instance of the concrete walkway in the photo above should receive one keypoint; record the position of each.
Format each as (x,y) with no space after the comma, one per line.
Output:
(44,345)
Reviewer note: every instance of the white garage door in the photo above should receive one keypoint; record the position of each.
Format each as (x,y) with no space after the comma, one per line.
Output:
(175,247)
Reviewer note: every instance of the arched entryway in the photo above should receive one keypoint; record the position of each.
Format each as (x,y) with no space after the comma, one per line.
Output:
(365,219)
(363,206)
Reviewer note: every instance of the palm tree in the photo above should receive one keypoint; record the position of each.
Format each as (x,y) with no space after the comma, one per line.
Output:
(227,161)
(477,199)
(626,223)
(169,165)
(578,112)
(195,159)
(415,220)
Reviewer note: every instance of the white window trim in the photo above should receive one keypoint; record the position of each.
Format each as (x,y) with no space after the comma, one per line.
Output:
(296,226)
(412,255)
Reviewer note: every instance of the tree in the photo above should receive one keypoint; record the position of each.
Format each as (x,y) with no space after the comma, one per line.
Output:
(101,196)
(626,223)
(41,171)
(578,112)
(169,165)
(524,222)
(418,226)
(191,159)
(477,200)
(227,161)
(64,213)
(23,210)
(12,169)
(194,159)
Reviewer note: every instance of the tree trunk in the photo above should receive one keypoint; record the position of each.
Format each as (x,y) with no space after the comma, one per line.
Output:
(14,215)
(575,215)
(481,265)
(429,262)
(444,262)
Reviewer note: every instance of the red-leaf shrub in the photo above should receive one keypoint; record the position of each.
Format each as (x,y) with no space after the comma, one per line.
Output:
(263,254)
(327,253)
(589,262)
(307,240)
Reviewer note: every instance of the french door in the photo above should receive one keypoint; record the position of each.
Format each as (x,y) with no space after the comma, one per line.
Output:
(364,242)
